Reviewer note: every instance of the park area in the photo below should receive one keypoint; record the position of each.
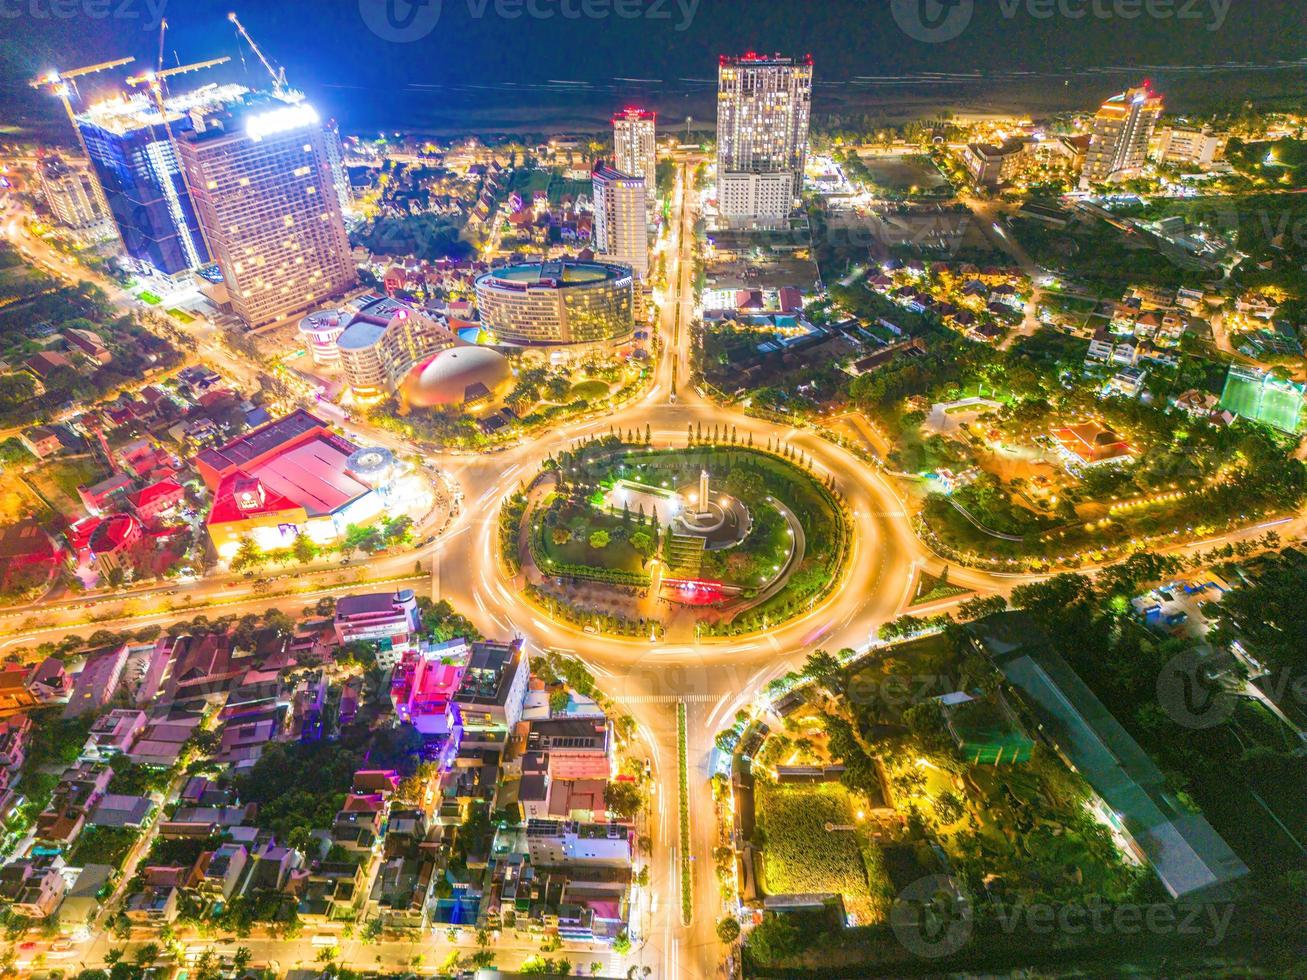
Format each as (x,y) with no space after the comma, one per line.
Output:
(815,843)
(900,175)
(615,509)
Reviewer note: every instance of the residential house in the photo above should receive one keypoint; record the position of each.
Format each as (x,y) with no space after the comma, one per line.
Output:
(121,810)
(33,887)
(97,682)
(113,734)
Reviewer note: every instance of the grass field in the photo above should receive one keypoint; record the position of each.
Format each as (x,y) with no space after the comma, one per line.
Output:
(181,316)
(58,481)
(799,854)
(16,500)
(589,390)
(152,298)
(1276,405)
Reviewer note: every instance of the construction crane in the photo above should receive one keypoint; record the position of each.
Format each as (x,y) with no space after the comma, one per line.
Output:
(154,81)
(163,29)
(62,85)
(278,74)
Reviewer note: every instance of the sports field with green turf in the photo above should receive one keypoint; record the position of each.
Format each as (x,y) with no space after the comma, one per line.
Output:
(1277,404)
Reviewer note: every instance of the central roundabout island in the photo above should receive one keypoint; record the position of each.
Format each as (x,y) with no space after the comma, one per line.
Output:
(707,541)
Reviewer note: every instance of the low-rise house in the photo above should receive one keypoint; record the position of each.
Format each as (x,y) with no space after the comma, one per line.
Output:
(33,887)
(493,687)
(558,843)
(121,810)
(49,681)
(578,748)
(358,824)
(97,682)
(155,906)
(82,900)
(270,867)
(390,620)
(113,734)
(75,795)
(14,733)
(161,742)
(223,871)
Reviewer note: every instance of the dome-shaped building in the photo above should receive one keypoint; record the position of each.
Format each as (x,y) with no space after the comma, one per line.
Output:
(462,375)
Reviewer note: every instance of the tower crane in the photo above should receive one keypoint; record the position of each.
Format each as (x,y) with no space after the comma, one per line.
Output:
(154,81)
(277,73)
(62,84)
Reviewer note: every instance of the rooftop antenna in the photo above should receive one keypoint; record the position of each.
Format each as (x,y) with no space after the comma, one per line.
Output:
(277,73)
(163,29)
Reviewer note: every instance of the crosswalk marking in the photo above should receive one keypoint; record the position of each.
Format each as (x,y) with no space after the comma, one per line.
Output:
(670,698)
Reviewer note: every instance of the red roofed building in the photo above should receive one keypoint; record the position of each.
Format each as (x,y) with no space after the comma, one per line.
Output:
(156,501)
(44,363)
(102,496)
(289,477)
(1090,443)
(26,552)
(113,540)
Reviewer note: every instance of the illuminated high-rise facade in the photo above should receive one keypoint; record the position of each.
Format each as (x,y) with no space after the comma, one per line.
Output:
(635,149)
(1123,127)
(763,108)
(620,222)
(133,154)
(261,179)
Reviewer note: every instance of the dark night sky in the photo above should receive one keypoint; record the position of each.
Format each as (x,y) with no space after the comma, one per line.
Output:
(489,69)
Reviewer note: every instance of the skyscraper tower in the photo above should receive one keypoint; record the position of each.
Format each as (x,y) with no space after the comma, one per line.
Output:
(132,154)
(635,148)
(1122,129)
(620,228)
(263,187)
(763,107)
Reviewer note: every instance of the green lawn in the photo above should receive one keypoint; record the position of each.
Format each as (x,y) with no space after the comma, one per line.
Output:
(181,316)
(148,297)
(59,479)
(580,524)
(1276,405)
(587,390)
(800,855)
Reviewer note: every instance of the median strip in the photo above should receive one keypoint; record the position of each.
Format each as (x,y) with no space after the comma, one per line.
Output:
(683,762)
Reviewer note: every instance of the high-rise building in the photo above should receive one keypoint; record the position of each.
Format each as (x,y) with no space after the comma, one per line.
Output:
(621,222)
(1123,127)
(763,106)
(262,184)
(635,149)
(336,160)
(132,151)
(71,193)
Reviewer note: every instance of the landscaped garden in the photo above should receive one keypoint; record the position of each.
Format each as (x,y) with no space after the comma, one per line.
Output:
(614,510)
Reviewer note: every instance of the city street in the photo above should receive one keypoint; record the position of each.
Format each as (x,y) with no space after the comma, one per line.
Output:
(648,679)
